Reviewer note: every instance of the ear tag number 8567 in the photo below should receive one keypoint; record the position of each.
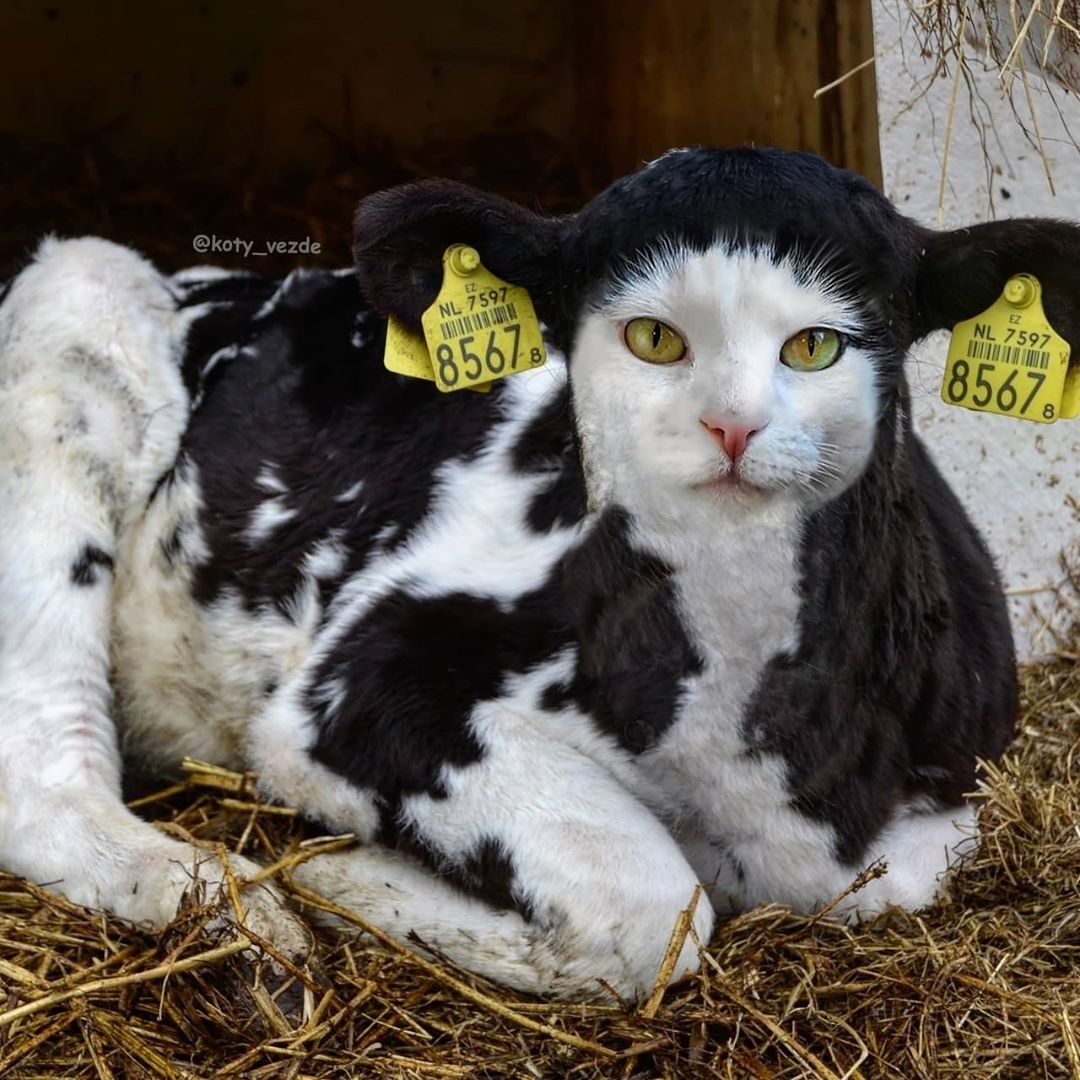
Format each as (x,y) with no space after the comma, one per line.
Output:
(480,328)
(1009,359)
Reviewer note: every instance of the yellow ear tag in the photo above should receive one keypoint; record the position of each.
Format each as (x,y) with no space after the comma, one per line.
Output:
(406,354)
(480,328)
(1010,360)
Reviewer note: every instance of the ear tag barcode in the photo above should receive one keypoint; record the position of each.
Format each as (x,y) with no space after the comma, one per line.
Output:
(406,354)
(480,328)
(1010,360)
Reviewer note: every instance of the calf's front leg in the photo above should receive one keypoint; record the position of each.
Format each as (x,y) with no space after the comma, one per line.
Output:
(91,411)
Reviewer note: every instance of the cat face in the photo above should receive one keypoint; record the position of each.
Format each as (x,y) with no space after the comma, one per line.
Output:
(731,374)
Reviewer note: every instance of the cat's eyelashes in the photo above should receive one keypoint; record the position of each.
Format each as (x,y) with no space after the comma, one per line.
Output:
(812,349)
(654,341)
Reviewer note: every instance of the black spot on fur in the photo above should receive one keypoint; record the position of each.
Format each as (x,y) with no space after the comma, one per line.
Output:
(413,669)
(235,298)
(634,652)
(86,569)
(173,544)
(905,658)
(725,856)
(548,447)
(167,479)
(486,873)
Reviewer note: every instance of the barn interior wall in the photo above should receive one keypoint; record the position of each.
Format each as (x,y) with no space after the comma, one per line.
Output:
(503,94)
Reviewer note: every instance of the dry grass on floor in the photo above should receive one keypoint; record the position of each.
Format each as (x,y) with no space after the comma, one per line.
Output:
(984,985)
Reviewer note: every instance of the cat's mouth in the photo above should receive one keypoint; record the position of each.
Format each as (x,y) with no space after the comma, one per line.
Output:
(730,482)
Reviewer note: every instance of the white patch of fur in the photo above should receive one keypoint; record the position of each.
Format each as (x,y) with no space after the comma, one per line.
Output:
(918,848)
(160,643)
(416,907)
(350,493)
(674,151)
(267,479)
(327,558)
(331,694)
(737,581)
(384,535)
(268,516)
(193,276)
(227,352)
(287,283)
(603,876)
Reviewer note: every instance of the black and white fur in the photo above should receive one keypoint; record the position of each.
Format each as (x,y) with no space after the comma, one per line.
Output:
(547,652)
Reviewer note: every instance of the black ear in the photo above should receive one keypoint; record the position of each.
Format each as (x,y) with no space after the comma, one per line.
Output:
(400,236)
(961,273)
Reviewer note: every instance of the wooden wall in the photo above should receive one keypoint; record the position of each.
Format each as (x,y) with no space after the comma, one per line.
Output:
(502,94)
(660,73)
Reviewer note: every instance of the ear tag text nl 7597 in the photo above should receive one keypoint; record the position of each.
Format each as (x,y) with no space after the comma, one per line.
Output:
(480,328)
(1010,360)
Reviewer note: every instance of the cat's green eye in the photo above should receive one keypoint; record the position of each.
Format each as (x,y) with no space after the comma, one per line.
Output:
(813,349)
(653,341)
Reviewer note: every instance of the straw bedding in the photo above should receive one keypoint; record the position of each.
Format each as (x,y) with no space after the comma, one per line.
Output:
(985,984)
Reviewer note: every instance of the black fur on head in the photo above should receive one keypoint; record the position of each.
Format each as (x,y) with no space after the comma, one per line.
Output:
(912,280)
(791,202)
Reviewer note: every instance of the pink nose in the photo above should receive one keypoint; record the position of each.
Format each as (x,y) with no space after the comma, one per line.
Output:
(731,435)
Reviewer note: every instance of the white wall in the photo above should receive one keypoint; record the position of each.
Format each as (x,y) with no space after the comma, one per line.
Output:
(1020,481)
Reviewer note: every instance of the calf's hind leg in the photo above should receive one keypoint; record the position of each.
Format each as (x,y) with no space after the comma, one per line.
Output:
(91,411)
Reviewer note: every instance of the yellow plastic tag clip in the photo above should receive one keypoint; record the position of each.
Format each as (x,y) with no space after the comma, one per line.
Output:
(479,329)
(1010,360)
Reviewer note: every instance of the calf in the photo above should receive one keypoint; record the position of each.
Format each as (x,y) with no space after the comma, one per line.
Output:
(687,604)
